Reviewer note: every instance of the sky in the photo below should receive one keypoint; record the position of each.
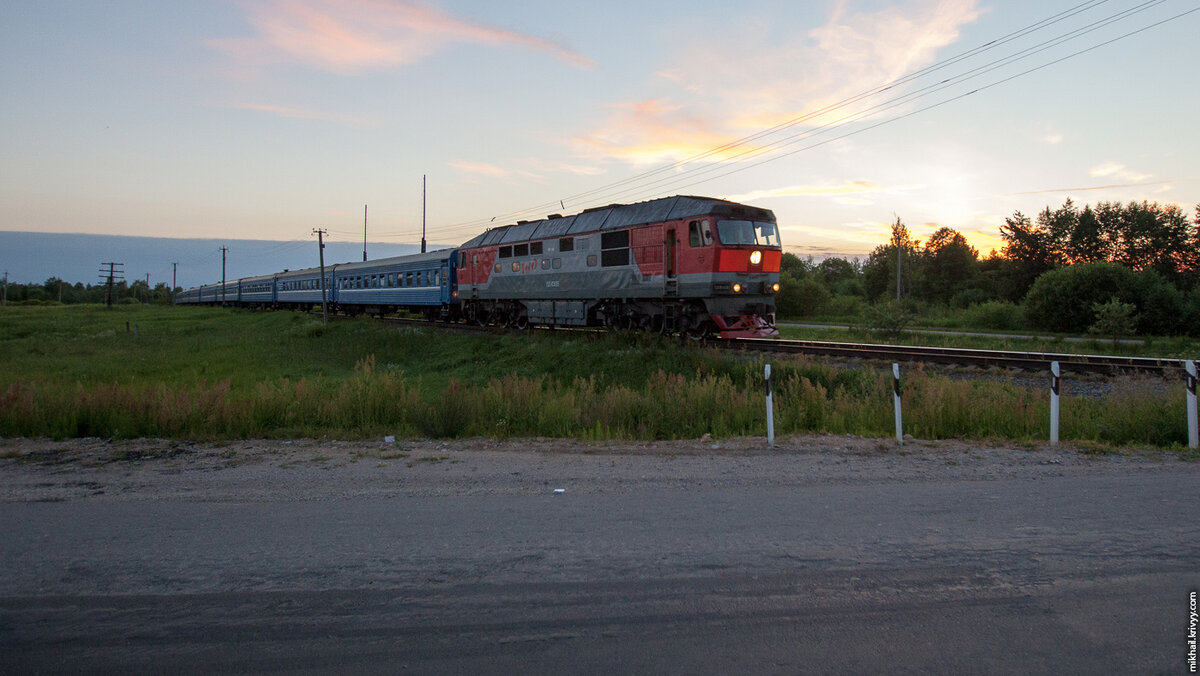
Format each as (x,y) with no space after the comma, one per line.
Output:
(267,119)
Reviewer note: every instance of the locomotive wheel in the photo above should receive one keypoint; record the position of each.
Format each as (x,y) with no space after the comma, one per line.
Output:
(521,322)
(622,322)
(478,315)
(695,332)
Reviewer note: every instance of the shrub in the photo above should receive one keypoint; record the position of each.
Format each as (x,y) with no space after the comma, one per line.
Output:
(1114,319)
(845,306)
(890,318)
(1063,299)
(996,315)
(800,297)
(968,297)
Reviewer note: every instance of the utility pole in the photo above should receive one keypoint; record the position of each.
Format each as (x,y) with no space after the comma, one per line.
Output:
(174,277)
(4,298)
(364,233)
(321,250)
(223,250)
(113,275)
(147,288)
(422,213)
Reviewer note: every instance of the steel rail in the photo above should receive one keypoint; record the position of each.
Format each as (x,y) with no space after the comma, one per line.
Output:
(1031,361)
(954,356)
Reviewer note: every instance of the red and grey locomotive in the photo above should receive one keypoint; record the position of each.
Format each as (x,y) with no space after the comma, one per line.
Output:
(693,265)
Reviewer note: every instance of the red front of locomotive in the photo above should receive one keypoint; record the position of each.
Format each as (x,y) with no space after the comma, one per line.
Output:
(732,260)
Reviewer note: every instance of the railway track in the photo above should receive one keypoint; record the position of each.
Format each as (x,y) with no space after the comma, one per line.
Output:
(1036,362)
(1028,361)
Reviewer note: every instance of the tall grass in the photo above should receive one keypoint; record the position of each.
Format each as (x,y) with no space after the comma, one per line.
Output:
(668,406)
(361,380)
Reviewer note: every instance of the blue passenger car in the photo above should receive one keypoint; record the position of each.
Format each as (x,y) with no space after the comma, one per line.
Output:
(259,291)
(301,289)
(419,282)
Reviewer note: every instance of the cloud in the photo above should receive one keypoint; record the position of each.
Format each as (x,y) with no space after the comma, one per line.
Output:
(654,131)
(1052,139)
(759,76)
(525,169)
(842,193)
(1118,171)
(351,36)
(305,114)
(1056,191)
(480,168)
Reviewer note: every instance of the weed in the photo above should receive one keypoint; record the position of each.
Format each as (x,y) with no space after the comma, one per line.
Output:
(201,373)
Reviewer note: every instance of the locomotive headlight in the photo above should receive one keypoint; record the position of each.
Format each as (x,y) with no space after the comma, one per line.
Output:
(737,288)
(775,287)
(755,257)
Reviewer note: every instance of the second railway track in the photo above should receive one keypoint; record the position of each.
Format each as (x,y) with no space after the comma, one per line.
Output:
(1028,361)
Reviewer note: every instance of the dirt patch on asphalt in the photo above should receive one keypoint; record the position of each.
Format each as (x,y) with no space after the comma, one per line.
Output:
(308,469)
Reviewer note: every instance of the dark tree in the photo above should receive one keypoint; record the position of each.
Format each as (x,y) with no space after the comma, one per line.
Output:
(950,264)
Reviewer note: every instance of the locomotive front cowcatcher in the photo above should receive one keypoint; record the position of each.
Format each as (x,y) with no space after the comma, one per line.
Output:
(693,265)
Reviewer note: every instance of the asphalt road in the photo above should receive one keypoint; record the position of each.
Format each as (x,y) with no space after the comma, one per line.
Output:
(1066,574)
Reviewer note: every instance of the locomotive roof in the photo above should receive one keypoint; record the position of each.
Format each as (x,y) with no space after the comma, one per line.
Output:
(619,216)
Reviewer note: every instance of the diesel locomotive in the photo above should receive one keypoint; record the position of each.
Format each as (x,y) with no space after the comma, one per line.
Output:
(689,265)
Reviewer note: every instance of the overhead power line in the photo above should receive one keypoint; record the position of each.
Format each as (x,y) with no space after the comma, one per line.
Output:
(652,183)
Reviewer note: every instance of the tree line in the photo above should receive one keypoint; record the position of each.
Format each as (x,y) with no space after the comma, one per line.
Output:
(1132,267)
(55,290)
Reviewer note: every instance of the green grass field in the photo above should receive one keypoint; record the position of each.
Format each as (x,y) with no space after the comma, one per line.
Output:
(205,373)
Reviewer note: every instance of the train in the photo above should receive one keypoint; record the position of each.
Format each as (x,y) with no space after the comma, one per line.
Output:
(687,265)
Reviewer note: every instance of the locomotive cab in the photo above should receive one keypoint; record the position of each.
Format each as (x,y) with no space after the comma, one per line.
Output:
(745,275)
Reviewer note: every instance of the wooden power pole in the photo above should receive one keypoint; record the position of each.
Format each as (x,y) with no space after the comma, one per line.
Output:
(112,275)
(321,252)
(223,250)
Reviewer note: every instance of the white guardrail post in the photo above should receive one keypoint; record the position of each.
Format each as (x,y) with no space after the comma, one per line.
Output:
(1055,386)
(1193,432)
(770,411)
(896,393)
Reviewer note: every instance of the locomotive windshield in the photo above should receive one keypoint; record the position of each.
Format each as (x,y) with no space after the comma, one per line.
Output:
(752,233)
